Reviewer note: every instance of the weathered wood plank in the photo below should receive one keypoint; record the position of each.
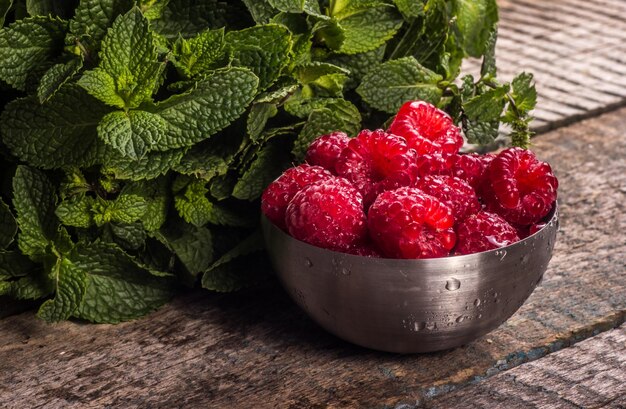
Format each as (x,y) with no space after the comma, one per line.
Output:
(257,349)
(576,50)
(590,374)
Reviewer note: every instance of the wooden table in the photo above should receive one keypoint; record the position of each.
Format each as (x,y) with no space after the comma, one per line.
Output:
(565,348)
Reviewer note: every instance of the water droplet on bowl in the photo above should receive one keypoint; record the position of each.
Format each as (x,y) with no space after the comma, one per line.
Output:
(525,258)
(460,319)
(308,262)
(419,326)
(477,302)
(345,271)
(431,326)
(480,316)
(453,284)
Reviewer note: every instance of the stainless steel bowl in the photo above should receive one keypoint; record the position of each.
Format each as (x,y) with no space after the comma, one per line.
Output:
(410,305)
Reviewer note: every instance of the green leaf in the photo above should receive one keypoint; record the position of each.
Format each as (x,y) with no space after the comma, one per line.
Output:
(336,115)
(31,287)
(76,211)
(153,9)
(150,166)
(27,46)
(155,193)
(133,133)
(358,65)
(118,289)
(481,133)
(129,68)
(213,104)
(5,6)
(194,207)
(192,245)
(410,8)
(206,160)
(8,226)
(288,6)
(267,166)
(219,277)
(390,84)
(127,208)
(13,264)
(34,200)
(475,20)
(365,25)
(61,9)
(55,134)
(263,49)
(488,66)
(92,18)
(259,114)
(70,285)
(55,77)
(189,17)
(488,106)
(199,54)
(261,10)
(128,236)
(524,93)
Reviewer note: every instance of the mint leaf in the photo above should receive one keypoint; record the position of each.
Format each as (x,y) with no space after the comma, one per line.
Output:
(488,66)
(475,20)
(335,115)
(31,287)
(389,85)
(126,208)
(364,25)
(523,92)
(14,265)
(192,245)
(267,166)
(219,277)
(206,160)
(8,225)
(259,114)
(262,49)
(156,195)
(91,20)
(260,10)
(132,133)
(410,8)
(70,284)
(118,289)
(26,47)
(214,103)
(53,135)
(128,236)
(129,69)
(487,106)
(150,166)
(288,6)
(358,65)
(198,54)
(34,200)
(76,211)
(55,77)
(188,17)
(194,207)
(480,132)
(5,6)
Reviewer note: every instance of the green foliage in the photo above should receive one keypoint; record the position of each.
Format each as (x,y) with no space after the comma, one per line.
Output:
(144,132)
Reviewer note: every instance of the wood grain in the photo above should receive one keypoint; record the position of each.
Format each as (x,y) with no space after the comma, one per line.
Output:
(256,349)
(590,374)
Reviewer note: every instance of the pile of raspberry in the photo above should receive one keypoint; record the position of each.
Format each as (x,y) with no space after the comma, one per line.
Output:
(408,193)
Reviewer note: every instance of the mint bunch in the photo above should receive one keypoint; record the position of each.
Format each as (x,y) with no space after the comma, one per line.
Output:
(137,136)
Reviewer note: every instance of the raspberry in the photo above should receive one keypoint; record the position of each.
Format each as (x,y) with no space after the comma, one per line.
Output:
(484,231)
(277,195)
(453,192)
(408,223)
(436,164)
(426,128)
(325,150)
(329,214)
(375,161)
(471,167)
(519,187)
(365,250)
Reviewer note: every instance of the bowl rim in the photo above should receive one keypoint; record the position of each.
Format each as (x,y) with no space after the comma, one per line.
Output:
(551,218)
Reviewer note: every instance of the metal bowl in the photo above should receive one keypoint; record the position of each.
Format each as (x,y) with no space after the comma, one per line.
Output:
(408,306)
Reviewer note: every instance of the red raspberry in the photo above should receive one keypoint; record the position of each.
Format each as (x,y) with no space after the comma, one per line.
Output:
(328,214)
(519,187)
(375,161)
(453,192)
(277,195)
(484,231)
(325,150)
(408,223)
(471,167)
(436,164)
(426,128)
